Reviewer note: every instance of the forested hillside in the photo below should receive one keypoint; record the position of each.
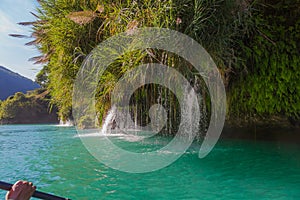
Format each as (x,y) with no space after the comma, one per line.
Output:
(30,108)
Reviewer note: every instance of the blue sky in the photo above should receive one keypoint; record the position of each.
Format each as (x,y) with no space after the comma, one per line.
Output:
(14,54)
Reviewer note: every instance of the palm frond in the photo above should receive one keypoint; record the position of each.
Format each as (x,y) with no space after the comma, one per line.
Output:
(35,15)
(19,36)
(42,59)
(33,42)
(27,23)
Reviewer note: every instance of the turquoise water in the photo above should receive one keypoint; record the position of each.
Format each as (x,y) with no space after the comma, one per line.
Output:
(57,162)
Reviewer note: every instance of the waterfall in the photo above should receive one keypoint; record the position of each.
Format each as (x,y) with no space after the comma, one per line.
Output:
(109,121)
(65,123)
(188,114)
(117,118)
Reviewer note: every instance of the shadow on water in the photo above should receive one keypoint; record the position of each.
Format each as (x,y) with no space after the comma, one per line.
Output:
(264,133)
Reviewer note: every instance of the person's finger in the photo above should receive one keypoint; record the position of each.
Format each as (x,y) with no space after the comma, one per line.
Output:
(32,190)
(17,184)
(30,183)
(16,190)
(20,182)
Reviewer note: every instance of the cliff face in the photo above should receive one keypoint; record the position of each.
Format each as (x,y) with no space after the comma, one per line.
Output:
(11,82)
(32,108)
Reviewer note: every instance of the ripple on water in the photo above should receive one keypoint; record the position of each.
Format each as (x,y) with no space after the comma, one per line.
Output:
(57,162)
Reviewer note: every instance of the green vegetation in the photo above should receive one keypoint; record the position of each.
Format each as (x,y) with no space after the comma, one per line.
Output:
(254,44)
(270,84)
(32,107)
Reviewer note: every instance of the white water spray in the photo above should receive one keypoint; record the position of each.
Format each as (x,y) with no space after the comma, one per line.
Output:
(109,120)
(67,123)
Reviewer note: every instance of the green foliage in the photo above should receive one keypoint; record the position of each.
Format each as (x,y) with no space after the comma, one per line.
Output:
(67,30)
(9,108)
(34,102)
(271,85)
(254,43)
(42,77)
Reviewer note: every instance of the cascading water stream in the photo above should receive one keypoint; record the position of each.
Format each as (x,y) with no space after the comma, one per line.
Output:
(65,123)
(108,122)
(158,117)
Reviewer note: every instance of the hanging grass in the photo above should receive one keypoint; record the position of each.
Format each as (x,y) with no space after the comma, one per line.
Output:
(66,31)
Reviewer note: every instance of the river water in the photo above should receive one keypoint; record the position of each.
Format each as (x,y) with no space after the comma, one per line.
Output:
(55,160)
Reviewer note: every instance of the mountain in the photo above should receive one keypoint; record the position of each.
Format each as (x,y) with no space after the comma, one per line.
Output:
(11,82)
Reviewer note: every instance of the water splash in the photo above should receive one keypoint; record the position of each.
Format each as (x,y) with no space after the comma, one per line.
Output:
(109,121)
(67,123)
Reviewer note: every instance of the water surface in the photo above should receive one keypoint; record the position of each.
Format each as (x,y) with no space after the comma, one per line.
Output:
(56,161)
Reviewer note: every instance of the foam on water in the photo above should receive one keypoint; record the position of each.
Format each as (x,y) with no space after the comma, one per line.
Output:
(67,123)
(113,133)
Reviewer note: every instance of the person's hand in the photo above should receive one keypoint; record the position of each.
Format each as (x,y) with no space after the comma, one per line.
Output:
(21,190)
